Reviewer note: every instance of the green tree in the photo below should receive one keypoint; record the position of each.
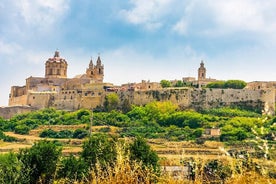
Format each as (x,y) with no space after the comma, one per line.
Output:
(80,133)
(141,152)
(99,148)
(179,83)
(165,83)
(41,160)
(73,168)
(126,106)
(11,170)
(216,84)
(156,110)
(22,129)
(111,102)
(235,84)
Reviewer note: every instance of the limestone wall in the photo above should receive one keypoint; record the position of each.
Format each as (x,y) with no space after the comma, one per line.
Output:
(258,100)
(20,100)
(39,99)
(198,99)
(8,112)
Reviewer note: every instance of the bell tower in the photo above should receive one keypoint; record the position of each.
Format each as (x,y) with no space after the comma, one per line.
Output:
(95,72)
(201,72)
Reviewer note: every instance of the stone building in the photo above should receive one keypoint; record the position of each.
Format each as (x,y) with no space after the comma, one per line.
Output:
(202,80)
(95,72)
(41,92)
(88,91)
(201,72)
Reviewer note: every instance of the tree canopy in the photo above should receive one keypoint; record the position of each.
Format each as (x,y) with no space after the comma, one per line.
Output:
(234,84)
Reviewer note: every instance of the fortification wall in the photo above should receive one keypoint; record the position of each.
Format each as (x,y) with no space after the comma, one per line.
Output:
(19,100)
(8,112)
(257,100)
(39,99)
(185,98)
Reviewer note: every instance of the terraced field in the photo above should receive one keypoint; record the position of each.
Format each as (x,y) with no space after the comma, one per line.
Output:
(171,152)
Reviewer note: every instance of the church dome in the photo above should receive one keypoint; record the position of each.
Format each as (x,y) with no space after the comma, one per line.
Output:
(56,67)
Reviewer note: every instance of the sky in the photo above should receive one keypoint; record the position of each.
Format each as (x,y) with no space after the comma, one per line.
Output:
(138,39)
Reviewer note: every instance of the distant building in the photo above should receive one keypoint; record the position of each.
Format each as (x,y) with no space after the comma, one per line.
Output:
(201,78)
(88,91)
(56,90)
(212,132)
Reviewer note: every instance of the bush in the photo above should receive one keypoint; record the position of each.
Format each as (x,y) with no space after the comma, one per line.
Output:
(73,168)
(141,151)
(80,133)
(22,129)
(41,160)
(11,170)
(6,138)
(215,170)
(99,147)
(48,133)
(234,84)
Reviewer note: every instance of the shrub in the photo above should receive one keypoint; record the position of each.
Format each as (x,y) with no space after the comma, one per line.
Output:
(216,170)
(11,170)
(80,133)
(141,151)
(99,147)
(41,160)
(73,168)
(6,138)
(22,129)
(48,133)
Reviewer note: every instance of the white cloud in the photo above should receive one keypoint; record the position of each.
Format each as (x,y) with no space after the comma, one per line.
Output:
(211,17)
(41,12)
(148,13)
(181,27)
(248,15)
(9,48)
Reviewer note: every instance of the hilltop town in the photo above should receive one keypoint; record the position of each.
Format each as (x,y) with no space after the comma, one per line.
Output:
(89,90)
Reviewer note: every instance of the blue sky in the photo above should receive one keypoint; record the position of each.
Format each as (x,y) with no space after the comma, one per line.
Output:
(138,39)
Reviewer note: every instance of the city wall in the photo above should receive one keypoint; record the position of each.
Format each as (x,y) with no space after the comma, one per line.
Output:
(8,112)
(186,98)
(198,99)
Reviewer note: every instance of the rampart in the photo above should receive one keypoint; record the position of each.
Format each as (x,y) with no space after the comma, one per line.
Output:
(198,99)
(8,112)
(262,101)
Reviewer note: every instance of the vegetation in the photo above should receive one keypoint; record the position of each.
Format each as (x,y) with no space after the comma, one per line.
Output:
(40,162)
(234,84)
(107,157)
(111,102)
(133,162)
(154,120)
(165,83)
(78,133)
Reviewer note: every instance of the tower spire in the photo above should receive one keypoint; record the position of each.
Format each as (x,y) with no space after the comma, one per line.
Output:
(99,62)
(91,65)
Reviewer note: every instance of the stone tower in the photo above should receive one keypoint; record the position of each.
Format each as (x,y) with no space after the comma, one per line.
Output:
(201,72)
(56,67)
(95,72)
